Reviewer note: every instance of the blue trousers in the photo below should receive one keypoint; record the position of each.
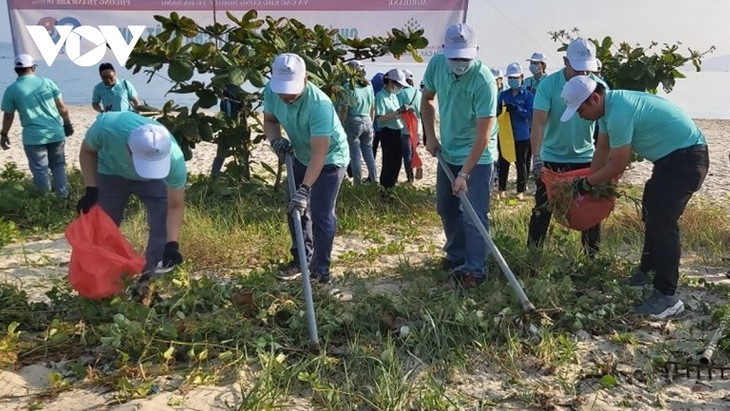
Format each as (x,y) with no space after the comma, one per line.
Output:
(319,223)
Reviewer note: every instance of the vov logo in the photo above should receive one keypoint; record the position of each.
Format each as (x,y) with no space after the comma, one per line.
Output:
(99,38)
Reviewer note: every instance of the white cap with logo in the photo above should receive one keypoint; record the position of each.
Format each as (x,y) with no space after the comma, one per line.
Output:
(538,57)
(575,92)
(24,61)
(357,65)
(582,55)
(497,73)
(397,75)
(513,70)
(150,145)
(288,74)
(460,42)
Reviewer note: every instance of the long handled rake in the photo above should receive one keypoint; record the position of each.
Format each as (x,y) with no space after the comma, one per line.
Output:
(466,204)
(303,264)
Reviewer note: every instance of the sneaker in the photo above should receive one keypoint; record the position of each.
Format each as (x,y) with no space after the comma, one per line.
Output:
(450,265)
(319,278)
(660,306)
(290,272)
(471,280)
(639,279)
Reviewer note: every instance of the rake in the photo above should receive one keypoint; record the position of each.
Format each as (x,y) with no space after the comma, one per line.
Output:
(303,264)
(527,306)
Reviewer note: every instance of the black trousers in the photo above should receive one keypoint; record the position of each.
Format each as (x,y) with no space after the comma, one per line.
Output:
(674,178)
(392,156)
(524,155)
(541,213)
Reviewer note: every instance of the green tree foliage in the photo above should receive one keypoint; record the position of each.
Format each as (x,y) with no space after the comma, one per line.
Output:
(240,54)
(638,67)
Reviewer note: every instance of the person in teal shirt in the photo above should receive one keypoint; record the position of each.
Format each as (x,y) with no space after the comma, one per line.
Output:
(538,67)
(356,114)
(467,104)
(113,94)
(45,122)
(124,154)
(388,116)
(561,146)
(410,100)
(659,131)
(320,152)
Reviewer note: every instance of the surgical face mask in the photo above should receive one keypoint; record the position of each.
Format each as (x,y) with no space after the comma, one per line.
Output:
(395,89)
(534,68)
(460,67)
(513,82)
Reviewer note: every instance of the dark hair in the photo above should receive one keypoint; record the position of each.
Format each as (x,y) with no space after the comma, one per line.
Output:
(600,89)
(22,70)
(106,66)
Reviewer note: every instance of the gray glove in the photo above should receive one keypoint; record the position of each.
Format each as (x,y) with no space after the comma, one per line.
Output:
(536,165)
(281,146)
(300,199)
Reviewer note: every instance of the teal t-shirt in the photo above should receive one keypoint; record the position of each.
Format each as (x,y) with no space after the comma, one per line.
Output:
(34,98)
(385,103)
(312,114)
(412,97)
(461,102)
(109,135)
(531,83)
(562,142)
(116,97)
(653,125)
(360,100)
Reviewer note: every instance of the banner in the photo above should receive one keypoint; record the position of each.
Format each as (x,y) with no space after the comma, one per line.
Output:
(352,18)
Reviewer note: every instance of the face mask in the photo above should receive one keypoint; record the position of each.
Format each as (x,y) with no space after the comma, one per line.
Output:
(395,90)
(534,68)
(460,67)
(513,82)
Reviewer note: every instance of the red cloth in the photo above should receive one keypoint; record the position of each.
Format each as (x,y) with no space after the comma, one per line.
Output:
(584,211)
(412,123)
(100,255)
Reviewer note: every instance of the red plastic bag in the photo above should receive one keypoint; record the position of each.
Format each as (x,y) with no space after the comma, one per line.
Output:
(584,211)
(100,255)
(412,124)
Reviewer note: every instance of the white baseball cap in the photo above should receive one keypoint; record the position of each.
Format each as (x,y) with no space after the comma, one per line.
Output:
(397,75)
(582,55)
(408,73)
(24,61)
(575,92)
(538,58)
(513,70)
(497,73)
(150,145)
(460,42)
(288,74)
(599,65)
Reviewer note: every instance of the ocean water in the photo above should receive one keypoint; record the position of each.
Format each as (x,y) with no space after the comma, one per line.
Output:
(702,95)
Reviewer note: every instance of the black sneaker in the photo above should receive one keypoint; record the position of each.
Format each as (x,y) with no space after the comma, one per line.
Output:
(290,272)
(450,265)
(639,279)
(319,278)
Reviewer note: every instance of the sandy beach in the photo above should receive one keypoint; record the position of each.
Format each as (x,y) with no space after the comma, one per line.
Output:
(34,264)
(714,188)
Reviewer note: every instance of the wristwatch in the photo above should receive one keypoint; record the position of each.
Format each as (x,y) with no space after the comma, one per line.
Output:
(464,175)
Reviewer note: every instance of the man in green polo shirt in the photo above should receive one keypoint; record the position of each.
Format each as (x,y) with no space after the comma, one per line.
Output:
(659,131)
(123,154)
(321,154)
(561,146)
(45,121)
(467,103)
(113,93)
